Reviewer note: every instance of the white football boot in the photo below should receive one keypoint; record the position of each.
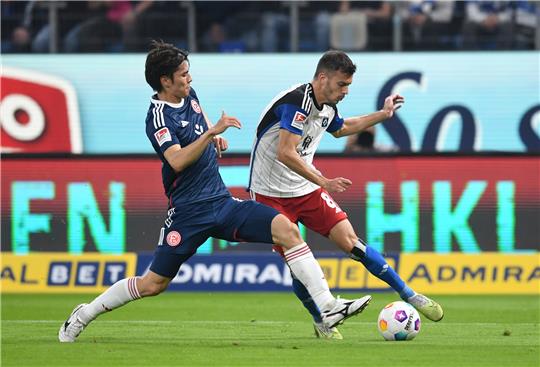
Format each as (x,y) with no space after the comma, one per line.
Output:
(72,327)
(323,332)
(427,307)
(343,309)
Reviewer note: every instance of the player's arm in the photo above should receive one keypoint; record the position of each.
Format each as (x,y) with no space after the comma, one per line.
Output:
(181,157)
(288,155)
(219,141)
(354,125)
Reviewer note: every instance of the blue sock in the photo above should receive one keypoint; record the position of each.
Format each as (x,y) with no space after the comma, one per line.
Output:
(303,295)
(375,263)
(405,293)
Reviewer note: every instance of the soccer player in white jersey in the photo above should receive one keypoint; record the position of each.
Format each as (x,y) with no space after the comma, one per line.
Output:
(282,174)
(200,205)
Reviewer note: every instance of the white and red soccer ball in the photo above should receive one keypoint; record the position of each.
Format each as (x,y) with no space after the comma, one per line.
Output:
(399,321)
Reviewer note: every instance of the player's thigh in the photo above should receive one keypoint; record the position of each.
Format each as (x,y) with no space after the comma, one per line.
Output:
(245,221)
(283,205)
(184,231)
(169,256)
(343,235)
(321,213)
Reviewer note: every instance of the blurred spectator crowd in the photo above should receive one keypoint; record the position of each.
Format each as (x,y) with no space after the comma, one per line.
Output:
(269,26)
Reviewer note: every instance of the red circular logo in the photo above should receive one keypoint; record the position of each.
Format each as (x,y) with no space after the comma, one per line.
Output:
(195,106)
(173,238)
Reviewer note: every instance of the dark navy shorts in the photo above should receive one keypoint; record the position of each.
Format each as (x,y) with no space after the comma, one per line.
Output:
(187,227)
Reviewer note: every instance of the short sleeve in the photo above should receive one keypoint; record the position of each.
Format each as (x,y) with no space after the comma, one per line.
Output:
(161,130)
(336,123)
(291,118)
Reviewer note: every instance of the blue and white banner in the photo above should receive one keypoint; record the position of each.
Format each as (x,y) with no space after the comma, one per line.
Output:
(228,272)
(264,272)
(454,101)
(426,272)
(488,273)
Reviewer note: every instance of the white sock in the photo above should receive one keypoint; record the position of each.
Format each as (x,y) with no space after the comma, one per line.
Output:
(117,295)
(308,271)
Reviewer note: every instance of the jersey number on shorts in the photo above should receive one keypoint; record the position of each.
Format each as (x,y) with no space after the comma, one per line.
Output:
(330,202)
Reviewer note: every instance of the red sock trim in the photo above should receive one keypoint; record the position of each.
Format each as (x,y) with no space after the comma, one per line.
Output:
(132,288)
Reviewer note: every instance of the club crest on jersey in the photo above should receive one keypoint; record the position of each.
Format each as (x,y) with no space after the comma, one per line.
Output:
(162,135)
(195,106)
(324,122)
(298,120)
(173,238)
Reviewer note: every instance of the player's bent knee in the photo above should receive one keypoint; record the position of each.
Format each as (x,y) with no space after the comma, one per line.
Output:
(347,242)
(344,236)
(285,233)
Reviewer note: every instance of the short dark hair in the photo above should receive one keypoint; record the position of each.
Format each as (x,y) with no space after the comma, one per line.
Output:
(162,59)
(334,61)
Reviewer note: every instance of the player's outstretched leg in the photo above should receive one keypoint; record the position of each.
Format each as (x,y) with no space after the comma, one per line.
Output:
(117,295)
(307,270)
(321,331)
(376,264)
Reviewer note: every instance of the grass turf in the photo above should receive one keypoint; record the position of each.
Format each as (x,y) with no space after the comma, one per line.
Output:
(265,329)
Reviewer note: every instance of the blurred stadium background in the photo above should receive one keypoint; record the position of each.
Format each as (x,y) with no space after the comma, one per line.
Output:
(449,188)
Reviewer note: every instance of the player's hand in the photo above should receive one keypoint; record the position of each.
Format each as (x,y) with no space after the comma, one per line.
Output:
(224,123)
(392,103)
(221,144)
(338,184)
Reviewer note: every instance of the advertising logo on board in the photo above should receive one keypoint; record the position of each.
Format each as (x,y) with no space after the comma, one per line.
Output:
(38,113)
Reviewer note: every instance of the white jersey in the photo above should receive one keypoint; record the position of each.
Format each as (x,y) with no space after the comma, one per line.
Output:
(297,111)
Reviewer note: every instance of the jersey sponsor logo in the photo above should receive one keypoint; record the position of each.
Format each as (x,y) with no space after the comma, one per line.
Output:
(162,135)
(184,123)
(173,238)
(195,106)
(298,120)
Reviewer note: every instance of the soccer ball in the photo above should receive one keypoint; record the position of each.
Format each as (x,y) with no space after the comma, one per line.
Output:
(399,321)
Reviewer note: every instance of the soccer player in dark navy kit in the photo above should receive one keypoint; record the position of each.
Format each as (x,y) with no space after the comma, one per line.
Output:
(200,206)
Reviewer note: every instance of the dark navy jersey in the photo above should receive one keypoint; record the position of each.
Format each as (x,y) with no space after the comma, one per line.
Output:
(182,123)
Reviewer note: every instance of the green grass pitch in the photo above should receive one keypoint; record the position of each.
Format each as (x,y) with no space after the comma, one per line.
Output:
(265,329)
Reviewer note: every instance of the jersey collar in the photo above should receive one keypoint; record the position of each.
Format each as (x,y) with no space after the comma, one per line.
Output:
(157,101)
(312,95)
